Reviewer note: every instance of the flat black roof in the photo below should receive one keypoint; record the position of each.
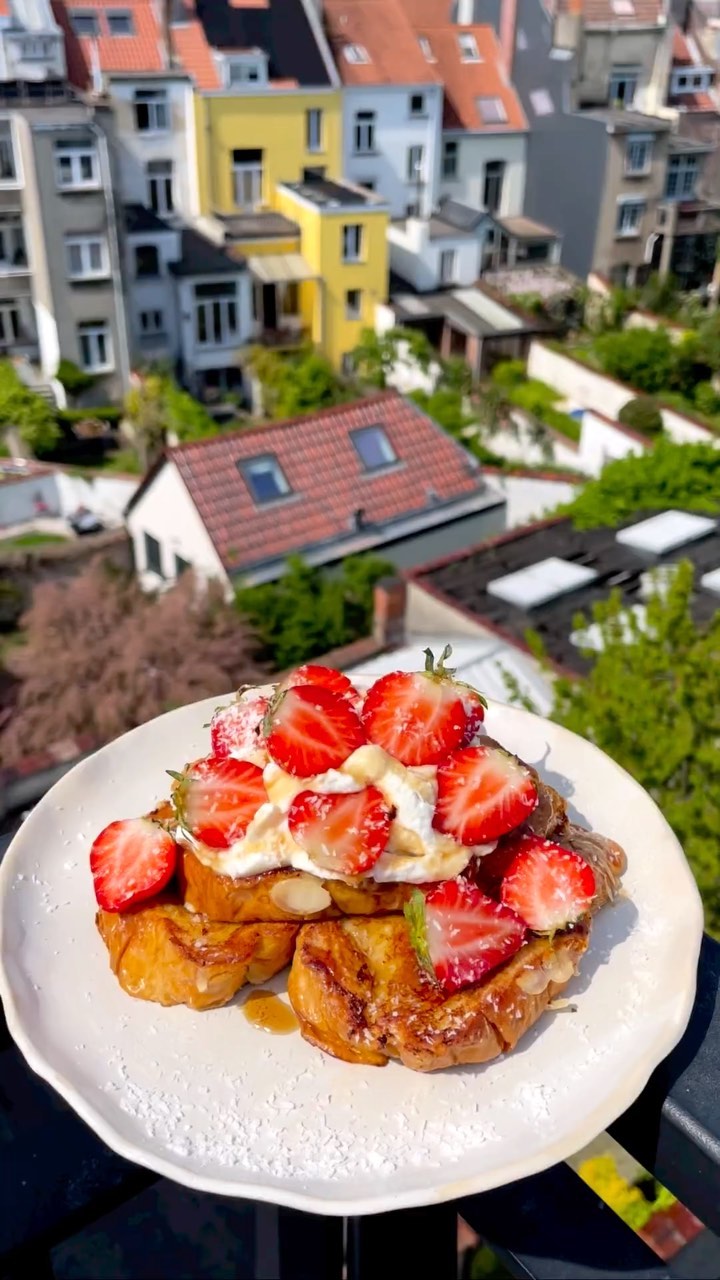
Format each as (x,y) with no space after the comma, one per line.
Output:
(200,257)
(464,580)
(257,226)
(280,28)
(138,218)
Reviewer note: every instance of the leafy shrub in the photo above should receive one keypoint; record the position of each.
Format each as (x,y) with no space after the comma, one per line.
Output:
(625,1198)
(688,365)
(684,476)
(706,398)
(74,379)
(309,611)
(21,408)
(509,373)
(12,603)
(643,415)
(643,358)
(561,422)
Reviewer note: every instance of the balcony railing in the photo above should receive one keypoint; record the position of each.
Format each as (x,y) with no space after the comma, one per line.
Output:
(58,1179)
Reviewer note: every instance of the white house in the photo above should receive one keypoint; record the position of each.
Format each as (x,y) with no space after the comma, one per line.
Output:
(155,156)
(392,103)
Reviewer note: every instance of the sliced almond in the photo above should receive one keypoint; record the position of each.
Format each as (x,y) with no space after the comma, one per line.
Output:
(301,896)
(533,981)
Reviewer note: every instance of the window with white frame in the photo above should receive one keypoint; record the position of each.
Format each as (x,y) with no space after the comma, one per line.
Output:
(265,478)
(13,253)
(314,129)
(352,242)
(364,133)
(450,158)
(623,85)
(9,323)
(356,54)
(35,49)
(216,314)
(682,174)
(152,114)
(84,22)
(629,217)
(151,323)
(247,178)
(353,304)
(638,155)
(76,166)
(448,259)
(95,347)
(159,177)
(492,110)
(417,104)
(8,171)
(243,73)
(87,257)
(415,163)
(467,44)
(120,22)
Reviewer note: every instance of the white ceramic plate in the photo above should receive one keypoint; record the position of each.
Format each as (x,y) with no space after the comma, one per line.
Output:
(208,1100)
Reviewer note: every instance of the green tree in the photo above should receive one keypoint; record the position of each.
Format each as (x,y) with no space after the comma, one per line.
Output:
(184,415)
(688,365)
(310,611)
(376,355)
(446,407)
(145,410)
(652,702)
(669,476)
(295,384)
(74,379)
(709,341)
(641,357)
(32,417)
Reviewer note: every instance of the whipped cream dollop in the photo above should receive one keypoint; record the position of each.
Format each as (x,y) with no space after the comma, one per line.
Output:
(416,853)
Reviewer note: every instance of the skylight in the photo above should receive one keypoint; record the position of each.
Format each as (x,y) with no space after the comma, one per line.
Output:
(85,22)
(665,532)
(467,45)
(492,110)
(541,582)
(711,581)
(356,53)
(541,102)
(426,49)
(265,478)
(623,8)
(373,448)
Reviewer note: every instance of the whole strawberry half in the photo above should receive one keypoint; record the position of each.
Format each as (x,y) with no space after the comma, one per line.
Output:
(460,934)
(308,729)
(345,833)
(549,887)
(482,794)
(418,717)
(131,860)
(325,678)
(237,728)
(217,798)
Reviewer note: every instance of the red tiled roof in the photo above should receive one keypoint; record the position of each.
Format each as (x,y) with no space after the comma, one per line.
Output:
(325,475)
(383,29)
(681,54)
(603,13)
(465,82)
(141,52)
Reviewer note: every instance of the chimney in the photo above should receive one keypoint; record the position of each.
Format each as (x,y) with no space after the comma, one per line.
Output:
(389,611)
(508,25)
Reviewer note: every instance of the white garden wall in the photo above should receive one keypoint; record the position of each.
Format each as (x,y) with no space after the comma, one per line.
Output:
(601,441)
(531,497)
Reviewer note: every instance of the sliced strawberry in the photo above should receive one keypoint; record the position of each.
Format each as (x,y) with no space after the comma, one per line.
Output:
(309,729)
(460,933)
(418,717)
(474,705)
(217,798)
(345,832)
(130,861)
(237,728)
(482,794)
(325,678)
(549,887)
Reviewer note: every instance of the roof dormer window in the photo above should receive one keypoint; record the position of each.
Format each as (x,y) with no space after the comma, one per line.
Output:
(373,448)
(120,22)
(467,44)
(356,54)
(84,22)
(243,73)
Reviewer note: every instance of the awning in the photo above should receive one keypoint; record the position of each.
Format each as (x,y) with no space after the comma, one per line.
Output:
(280,268)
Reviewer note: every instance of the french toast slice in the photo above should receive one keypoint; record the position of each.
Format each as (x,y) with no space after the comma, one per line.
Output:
(360,993)
(162,952)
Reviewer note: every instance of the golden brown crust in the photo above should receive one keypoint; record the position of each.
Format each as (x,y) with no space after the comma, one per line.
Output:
(360,994)
(162,952)
(250,898)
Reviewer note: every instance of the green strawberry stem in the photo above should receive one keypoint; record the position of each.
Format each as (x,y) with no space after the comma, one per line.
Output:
(414,912)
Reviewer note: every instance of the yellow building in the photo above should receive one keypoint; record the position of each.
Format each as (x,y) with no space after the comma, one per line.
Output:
(269,172)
